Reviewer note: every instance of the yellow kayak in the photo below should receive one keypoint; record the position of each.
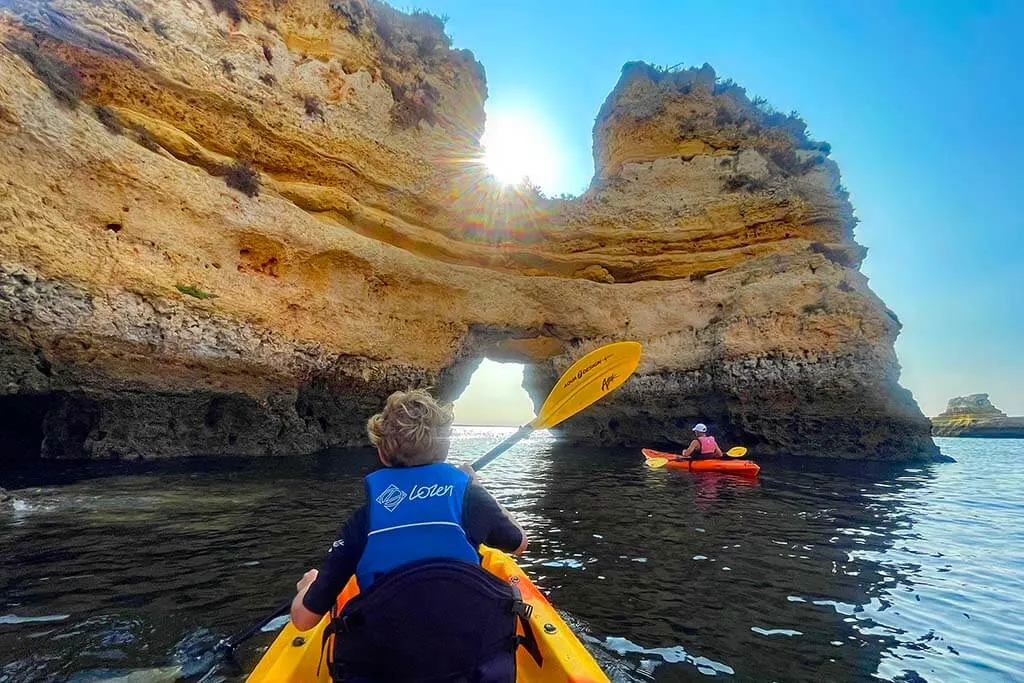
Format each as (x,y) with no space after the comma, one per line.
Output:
(294,655)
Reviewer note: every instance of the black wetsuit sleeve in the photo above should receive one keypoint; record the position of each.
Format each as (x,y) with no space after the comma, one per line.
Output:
(485,522)
(339,565)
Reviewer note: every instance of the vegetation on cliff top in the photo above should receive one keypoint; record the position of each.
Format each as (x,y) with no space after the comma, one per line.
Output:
(243,177)
(231,8)
(408,38)
(777,135)
(414,48)
(61,78)
(109,119)
(193,291)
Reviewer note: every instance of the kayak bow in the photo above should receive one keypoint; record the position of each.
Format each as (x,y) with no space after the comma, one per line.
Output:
(294,656)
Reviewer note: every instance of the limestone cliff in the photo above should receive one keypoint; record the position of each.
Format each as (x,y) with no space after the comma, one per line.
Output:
(975,415)
(235,227)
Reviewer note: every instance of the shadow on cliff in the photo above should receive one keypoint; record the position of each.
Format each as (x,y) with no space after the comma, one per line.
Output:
(21,427)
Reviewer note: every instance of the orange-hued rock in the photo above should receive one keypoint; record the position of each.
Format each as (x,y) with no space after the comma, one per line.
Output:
(238,231)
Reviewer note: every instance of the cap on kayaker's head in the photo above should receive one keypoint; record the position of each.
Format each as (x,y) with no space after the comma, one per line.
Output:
(413,429)
(700,428)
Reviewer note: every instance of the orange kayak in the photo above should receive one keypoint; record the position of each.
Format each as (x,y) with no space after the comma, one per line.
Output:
(742,467)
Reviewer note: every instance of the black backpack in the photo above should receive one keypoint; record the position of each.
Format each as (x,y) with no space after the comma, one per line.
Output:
(435,621)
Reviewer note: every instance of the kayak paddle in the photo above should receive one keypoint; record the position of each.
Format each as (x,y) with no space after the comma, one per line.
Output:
(737,452)
(597,374)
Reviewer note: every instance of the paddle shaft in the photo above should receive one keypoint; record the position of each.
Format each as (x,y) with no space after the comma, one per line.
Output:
(233,642)
(508,443)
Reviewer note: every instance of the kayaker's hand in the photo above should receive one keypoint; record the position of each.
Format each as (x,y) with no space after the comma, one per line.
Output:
(307,580)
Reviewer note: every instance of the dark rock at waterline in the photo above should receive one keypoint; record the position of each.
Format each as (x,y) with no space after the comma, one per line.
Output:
(829,408)
(243,391)
(7,499)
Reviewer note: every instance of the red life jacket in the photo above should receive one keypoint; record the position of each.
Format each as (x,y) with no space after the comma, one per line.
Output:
(707,445)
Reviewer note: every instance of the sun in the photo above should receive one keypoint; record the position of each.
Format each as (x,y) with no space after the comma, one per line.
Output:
(517,146)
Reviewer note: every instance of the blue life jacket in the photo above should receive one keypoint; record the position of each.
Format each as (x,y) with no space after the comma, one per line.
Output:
(414,514)
(427,610)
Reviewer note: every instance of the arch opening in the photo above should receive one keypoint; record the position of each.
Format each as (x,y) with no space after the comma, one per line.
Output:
(494,396)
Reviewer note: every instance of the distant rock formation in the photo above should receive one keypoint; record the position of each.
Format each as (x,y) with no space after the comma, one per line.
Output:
(234,228)
(975,415)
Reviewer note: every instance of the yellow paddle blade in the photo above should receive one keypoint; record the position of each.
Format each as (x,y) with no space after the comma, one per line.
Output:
(737,452)
(655,463)
(598,373)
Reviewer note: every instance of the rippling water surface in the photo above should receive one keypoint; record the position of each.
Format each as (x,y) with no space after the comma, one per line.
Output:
(815,571)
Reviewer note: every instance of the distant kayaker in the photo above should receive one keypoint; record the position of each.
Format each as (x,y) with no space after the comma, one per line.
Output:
(702,446)
(413,550)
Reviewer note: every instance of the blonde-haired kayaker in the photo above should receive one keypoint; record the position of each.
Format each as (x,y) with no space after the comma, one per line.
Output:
(703,446)
(426,608)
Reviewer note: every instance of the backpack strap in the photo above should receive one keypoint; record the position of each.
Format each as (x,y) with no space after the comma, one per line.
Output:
(372,636)
(326,645)
(528,641)
(353,620)
(327,642)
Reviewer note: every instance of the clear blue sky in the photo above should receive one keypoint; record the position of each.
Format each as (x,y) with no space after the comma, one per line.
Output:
(923,103)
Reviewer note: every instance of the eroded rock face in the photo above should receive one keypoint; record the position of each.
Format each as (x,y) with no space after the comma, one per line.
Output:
(974,415)
(237,231)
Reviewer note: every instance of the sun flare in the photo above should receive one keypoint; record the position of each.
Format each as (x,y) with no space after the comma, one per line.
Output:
(517,146)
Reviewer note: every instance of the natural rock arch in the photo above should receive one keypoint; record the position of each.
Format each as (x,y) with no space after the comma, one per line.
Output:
(366,251)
